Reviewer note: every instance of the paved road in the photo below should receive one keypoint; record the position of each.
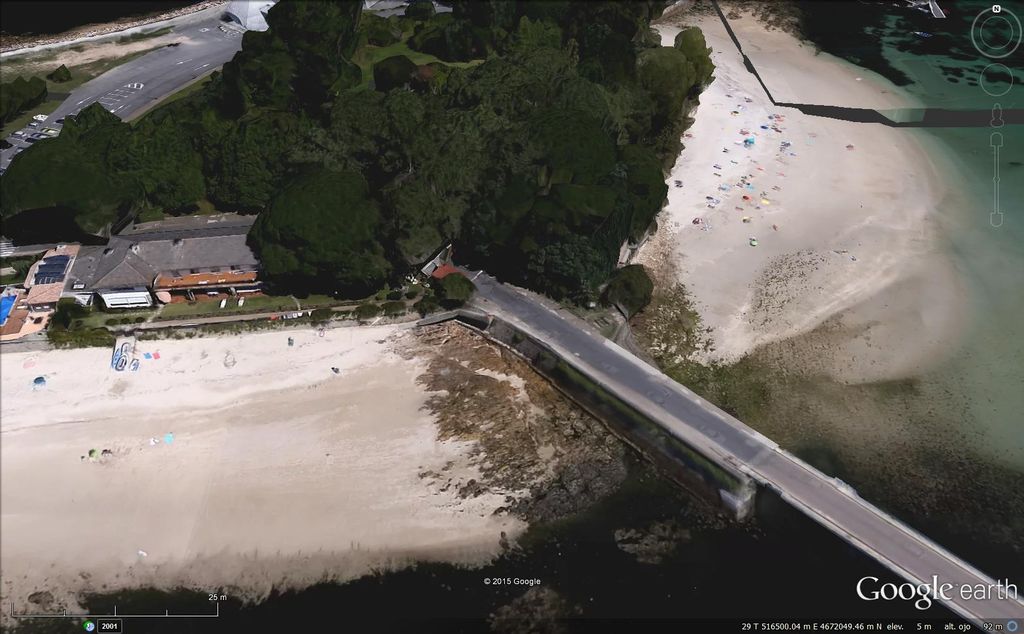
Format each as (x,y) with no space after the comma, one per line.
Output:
(130,87)
(702,425)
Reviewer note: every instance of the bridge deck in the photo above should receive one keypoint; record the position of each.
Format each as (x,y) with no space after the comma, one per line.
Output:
(714,432)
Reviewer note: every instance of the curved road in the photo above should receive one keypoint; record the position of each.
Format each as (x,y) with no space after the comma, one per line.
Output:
(130,87)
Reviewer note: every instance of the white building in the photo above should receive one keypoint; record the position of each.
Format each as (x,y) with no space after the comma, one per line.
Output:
(250,14)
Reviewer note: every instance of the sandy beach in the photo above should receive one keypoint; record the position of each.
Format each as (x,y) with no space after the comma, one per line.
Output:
(235,462)
(813,220)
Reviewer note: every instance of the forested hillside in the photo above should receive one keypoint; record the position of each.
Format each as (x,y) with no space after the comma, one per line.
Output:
(532,134)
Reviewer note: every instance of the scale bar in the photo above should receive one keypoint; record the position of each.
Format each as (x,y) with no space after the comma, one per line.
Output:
(166,615)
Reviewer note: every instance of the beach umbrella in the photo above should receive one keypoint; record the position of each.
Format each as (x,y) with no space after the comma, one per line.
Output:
(93,454)
(39,381)
(163,297)
(753,242)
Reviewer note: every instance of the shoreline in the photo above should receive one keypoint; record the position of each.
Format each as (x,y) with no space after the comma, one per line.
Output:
(14,45)
(236,462)
(860,366)
(844,224)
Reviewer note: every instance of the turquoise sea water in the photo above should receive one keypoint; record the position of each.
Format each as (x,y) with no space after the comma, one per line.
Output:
(972,60)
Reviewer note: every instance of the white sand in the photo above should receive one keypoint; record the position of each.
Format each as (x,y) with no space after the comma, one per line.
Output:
(855,237)
(280,473)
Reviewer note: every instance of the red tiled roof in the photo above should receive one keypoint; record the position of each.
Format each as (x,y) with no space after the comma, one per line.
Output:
(45,293)
(444,270)
(164,281)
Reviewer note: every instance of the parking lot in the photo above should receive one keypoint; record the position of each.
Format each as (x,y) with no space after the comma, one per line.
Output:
(138,84)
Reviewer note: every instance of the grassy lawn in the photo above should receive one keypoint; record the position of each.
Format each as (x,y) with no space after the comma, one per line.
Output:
(369,55)
(98,318)
(254,304)
(257,304)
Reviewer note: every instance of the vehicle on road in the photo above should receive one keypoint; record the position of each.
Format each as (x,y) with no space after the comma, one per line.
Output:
(18,133)
(61,120)
(33,124)
(31,140)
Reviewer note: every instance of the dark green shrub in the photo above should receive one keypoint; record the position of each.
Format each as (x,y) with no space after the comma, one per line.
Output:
(455,289)
(61,75)
(366,311)
(321,315)
(394,295)
(393,72)
(412,293)
(629,289)
(394,308)
(427,305)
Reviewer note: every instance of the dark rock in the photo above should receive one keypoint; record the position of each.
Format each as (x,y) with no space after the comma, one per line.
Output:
(653,544)
(42,598)
(540,610)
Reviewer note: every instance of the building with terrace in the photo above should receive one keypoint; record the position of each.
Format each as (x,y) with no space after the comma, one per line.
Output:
(179,259)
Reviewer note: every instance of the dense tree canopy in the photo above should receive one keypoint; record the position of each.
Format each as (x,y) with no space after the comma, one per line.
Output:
(19,95)
(322,232)
(533,138)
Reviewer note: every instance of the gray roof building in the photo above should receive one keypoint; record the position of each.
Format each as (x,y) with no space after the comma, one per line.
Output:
(178,246)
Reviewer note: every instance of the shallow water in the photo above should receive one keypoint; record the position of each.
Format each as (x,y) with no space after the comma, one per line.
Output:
(949,70)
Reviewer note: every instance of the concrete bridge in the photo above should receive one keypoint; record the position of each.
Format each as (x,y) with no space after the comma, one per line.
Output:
(738,453)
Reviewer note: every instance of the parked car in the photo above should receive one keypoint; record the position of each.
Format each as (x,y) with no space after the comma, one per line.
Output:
(41,117)
(31,140)
(61,120)
(33,124)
